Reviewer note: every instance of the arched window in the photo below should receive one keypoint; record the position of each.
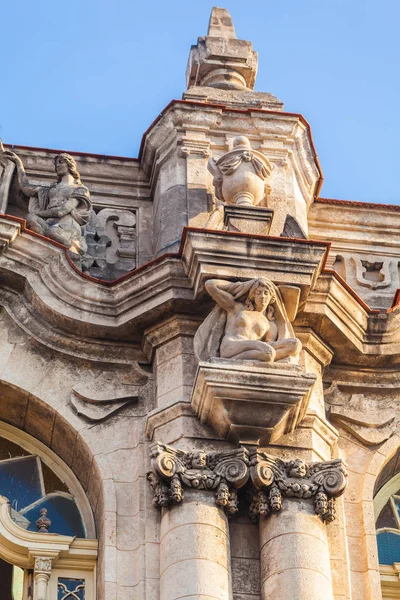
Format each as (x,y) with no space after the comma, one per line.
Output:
(387,520)
(46,526)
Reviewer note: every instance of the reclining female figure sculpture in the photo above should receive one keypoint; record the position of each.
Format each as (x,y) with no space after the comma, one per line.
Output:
(250,322)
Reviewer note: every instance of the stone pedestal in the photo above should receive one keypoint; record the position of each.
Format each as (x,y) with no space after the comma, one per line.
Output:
(247,402)
(295,561)
(194,557)
(254,220)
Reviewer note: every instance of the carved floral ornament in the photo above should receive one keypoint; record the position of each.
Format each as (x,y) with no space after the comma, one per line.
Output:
(226,472)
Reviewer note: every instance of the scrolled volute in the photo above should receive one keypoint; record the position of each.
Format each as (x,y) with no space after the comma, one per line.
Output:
(221,472)
(322,481)
(330,475)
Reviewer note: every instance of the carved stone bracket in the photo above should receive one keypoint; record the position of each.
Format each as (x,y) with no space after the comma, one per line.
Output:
(221,472)
(275,479)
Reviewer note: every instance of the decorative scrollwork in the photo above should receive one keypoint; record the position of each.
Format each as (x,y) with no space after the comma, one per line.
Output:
(222,472)
(274,479)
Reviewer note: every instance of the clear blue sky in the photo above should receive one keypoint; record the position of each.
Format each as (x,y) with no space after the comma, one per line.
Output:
(92,75)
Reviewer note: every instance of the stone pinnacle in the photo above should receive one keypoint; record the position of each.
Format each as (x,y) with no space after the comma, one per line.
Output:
(221,24)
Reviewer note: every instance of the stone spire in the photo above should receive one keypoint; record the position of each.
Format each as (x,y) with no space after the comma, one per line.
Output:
(219,59)
(223,69)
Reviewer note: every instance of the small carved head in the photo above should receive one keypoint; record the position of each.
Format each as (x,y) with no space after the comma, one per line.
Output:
(321,503)
(261,295)
(222,495)
(297,468)
(64,163)
(199,460)
(275,498)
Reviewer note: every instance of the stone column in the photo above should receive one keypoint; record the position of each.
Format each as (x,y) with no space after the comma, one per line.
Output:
(194,551)
(294,502)
(196,490)
(41,577)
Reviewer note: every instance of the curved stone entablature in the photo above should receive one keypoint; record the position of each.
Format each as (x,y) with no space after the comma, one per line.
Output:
(221,472)
(35,268)
(274,479)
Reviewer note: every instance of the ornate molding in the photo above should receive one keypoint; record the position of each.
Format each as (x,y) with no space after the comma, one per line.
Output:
(221,472)
(43,564)
(275,479)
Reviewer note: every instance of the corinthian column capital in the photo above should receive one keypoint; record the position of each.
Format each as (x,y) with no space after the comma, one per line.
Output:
(274,479)
(221,472)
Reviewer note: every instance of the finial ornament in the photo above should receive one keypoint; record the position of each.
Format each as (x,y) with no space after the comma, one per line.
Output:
(219,59)
(275,479)
(221,472)
(43,522)
(241,175)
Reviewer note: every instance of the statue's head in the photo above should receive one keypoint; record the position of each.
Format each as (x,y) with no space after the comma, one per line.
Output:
(64,163)
(199,460)
(261,295)
(297,468)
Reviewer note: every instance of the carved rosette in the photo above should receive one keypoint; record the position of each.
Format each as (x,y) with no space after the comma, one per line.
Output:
(274,479)
(221,472)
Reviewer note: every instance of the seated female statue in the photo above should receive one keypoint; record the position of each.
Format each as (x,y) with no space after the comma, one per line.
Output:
(60,210)
(249,323)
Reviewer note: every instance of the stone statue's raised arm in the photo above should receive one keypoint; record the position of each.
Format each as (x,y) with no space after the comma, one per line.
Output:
(27,188)
(217,290)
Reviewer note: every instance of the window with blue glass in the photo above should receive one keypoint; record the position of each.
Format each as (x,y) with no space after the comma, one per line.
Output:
(70,589)
(30,485)
(388,531)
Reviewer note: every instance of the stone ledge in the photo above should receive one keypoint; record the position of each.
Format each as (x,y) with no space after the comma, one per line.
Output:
(221,254)
(247,402)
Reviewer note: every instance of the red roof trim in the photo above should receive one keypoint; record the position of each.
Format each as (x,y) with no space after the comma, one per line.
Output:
(72,152)
(223,107)
(178,255)
(357,204)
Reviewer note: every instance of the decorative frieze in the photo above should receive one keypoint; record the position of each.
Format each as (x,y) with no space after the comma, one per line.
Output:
(221,472)
(275,479)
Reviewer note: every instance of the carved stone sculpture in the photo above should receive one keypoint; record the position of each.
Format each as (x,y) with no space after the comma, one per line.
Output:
(240,176)
(250,322)
(58,211)
(222,472)
(274,479)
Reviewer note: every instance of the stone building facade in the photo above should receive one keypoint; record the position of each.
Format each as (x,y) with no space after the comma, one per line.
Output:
(199,361)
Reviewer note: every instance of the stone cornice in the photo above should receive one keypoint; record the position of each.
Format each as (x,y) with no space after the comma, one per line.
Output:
(208,253)
(357,334)
(39,285)
(294,132)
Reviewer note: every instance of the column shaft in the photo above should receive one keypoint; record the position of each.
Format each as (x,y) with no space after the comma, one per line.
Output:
(195,553)
(295,560)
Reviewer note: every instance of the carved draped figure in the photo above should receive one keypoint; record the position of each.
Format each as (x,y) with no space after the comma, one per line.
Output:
(207,340)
